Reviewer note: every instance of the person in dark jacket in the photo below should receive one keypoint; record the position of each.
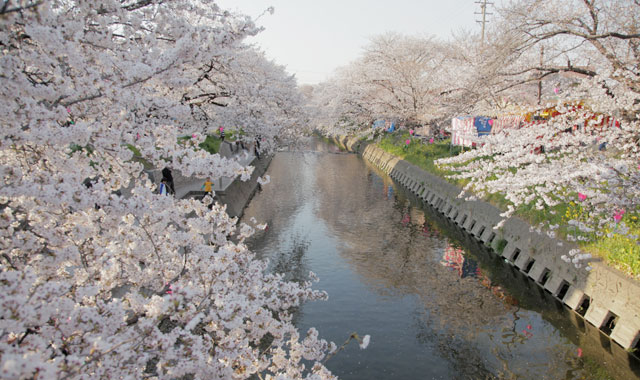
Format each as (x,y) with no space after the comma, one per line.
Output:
(166,176)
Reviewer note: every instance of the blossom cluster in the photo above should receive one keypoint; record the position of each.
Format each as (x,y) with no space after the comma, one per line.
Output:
(573,166)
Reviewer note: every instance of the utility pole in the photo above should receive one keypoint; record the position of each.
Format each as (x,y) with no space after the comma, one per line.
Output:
(483,12)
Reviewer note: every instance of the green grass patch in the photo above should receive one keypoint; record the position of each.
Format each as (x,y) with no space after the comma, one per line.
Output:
(620,251)
(419,154)
(211,144)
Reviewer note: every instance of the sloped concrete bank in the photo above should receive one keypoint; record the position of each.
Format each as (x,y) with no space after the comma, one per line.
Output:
(239,193)
(606,298)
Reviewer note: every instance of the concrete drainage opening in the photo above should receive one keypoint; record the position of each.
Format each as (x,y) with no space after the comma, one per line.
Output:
(515,256)
(609,324)
(564,288)
(636,347)
(583,306)
(529,265)
(545,276)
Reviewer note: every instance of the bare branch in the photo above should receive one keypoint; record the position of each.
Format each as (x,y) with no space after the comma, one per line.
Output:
(5,8)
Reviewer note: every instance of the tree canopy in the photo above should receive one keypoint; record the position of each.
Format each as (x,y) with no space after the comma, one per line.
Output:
(100,276)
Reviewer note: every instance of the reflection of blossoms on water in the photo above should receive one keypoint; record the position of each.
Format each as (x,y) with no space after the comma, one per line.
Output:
(406,219)
(497,290)
(454,258)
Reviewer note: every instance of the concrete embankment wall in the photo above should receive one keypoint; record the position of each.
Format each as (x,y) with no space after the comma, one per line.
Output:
(239,193)
(604,296)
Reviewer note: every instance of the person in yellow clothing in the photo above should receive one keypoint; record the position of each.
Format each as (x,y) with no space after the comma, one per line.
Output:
(207,185)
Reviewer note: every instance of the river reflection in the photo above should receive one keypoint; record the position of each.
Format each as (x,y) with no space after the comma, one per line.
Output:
(437,306)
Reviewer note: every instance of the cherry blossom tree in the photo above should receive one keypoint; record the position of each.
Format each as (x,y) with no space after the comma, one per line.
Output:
(250,92)
(397,77)
(590,37)
(589,151)
(338,108)
(100,276)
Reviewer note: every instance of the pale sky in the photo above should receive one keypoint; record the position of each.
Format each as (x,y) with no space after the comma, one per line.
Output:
(314,37)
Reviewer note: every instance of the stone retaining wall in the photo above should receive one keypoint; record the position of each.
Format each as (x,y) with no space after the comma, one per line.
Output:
(604,296)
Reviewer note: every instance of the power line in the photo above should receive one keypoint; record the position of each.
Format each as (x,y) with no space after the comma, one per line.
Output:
(483,12)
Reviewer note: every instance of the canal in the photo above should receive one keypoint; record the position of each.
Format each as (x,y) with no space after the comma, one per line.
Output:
(437,304)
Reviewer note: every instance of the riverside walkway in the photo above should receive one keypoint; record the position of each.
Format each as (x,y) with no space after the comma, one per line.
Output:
(192,185)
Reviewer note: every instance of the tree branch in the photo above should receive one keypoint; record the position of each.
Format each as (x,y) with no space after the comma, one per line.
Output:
(5,8)
(6,257)
(130,84)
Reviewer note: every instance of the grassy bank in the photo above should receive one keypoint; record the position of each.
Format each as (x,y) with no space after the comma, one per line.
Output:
(419,154)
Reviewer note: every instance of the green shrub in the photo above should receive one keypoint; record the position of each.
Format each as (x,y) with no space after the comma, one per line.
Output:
(211,144)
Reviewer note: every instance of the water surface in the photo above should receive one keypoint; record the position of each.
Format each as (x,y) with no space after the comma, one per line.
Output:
(437,304)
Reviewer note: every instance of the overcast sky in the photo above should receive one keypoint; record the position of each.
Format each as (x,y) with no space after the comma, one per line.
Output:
(314,37)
